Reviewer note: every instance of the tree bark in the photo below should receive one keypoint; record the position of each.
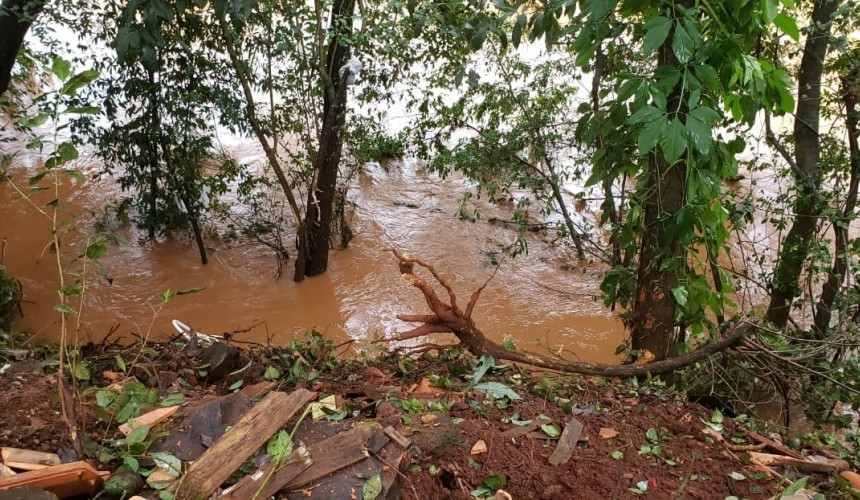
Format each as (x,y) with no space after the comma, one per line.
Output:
(795,246)
(16,17)
(653,320)
(321,194)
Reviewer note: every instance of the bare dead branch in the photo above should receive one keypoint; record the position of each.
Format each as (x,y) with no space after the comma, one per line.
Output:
(448,319)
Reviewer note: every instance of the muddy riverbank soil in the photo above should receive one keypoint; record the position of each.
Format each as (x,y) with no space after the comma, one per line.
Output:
(634,440)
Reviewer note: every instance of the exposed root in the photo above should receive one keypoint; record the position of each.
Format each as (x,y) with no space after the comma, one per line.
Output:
(449,318)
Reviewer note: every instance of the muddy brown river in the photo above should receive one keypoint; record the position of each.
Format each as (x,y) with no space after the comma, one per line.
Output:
(546,299)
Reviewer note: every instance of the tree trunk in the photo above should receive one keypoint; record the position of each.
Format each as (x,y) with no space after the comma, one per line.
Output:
(16,16)
(836,277)
(653,321)
(795,246)
(321,194)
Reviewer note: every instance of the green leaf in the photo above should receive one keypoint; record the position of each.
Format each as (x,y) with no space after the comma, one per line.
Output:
(673,140)
(75,174)
(64,308)
(794,487)
(96,250)
(78,82)
(737,476)
(168,463)
(682,44)
(84,110)
(497,390)
(61,68)
(271,373)
(495,481)
(82,372)
(699,133)
(680,294)
(550,430)
(372,487)
(650,135)
(646,114)
(137,435)
(617,455)
(172,400)
(705,114)
(191,291)
(657,30)
(768,10)
(120,362)
(787,25)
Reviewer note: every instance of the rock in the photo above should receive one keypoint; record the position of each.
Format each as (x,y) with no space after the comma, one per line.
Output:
(385,409)
(479,447)
(219,360)
(27,493)
(205,422)
(123,485)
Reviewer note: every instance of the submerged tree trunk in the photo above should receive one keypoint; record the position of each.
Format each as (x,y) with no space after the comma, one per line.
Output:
(16,17)
(321,195)
(653,321)
(808,209)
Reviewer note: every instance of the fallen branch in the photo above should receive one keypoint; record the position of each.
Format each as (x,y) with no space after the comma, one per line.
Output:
(449,318)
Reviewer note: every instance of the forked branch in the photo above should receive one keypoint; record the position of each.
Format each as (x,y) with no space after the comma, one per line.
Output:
(450,319)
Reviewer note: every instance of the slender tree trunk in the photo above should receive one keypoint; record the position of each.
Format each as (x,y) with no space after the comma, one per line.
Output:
(608,198)
(16,17)
(836,277)
(808,210)
(653,321)
(153,158)
(321,194)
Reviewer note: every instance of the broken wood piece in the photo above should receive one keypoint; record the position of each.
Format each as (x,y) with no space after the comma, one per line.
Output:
(323,458)
(785,450)
(340,451)
(6,471)
(150,419)
(403,441)
(17,458)
(768,459)
(289,467)
(66,480)
(567,443)
(252,391)
(479,447)
(227,454)
(525,429)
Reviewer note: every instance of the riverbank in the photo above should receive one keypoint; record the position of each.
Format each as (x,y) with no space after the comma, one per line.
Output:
(473,427)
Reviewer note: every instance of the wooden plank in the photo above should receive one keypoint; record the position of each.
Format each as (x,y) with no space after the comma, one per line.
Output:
(6,471)
(18,458)
(66,480)
(322,459)
(252,431)
(342,450)
(398,438)
(150,418)
(249,485)
(567,443)
(769,459)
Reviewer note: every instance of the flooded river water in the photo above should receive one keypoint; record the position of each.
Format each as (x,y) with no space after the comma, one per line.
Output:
(544,299)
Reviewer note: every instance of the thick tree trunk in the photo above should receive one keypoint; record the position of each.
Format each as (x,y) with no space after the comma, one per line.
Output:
(321,194)
(16,16)
(795,246)
(653,321)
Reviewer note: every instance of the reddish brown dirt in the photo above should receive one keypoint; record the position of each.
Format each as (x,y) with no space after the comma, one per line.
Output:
(701,470)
